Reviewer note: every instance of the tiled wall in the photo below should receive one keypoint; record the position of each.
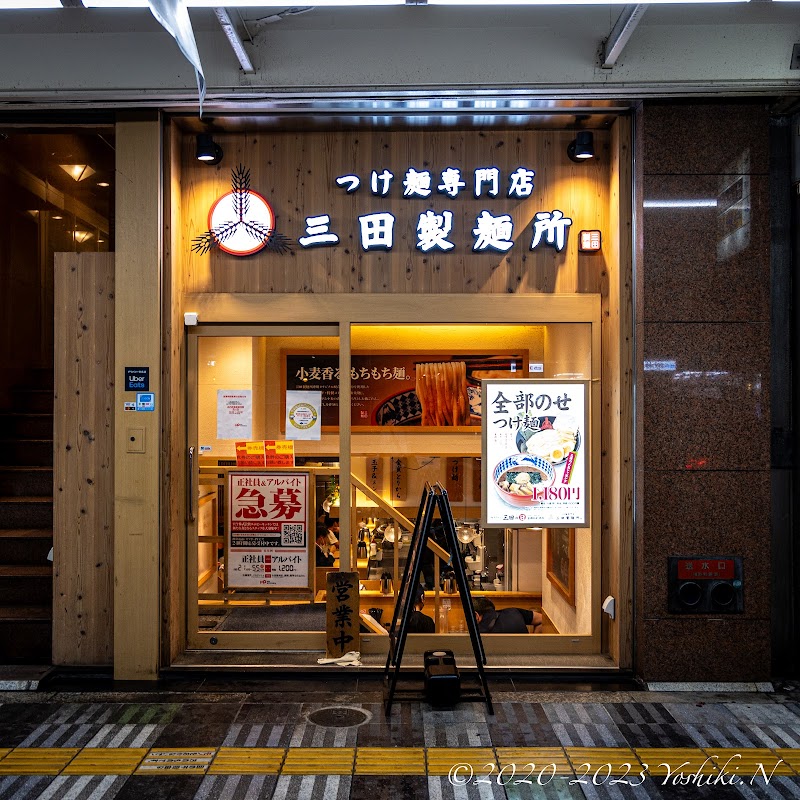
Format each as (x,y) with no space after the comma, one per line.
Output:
(703,366)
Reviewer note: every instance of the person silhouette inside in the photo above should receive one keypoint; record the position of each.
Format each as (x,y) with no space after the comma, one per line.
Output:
(419,622)
(507,620)
(323,557)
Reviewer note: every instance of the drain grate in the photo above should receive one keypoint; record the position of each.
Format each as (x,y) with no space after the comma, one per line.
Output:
(339,717)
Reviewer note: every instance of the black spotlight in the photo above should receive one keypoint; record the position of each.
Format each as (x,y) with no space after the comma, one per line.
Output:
(581,148)
(208,151)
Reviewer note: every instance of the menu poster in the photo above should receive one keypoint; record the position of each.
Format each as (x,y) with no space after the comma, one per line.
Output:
(262,454)
(428,390)
(535,453)
(267,530)
(303,414)
(234,413)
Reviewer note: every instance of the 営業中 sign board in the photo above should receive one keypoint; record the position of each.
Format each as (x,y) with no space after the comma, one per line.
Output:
(535,453)
(267,530)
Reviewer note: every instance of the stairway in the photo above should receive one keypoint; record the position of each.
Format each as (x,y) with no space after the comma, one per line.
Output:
(26,522)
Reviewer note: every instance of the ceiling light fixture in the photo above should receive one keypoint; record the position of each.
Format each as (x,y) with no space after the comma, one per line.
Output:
(208,151)
(581,148)
(78,172)
(104,184)
(81,236)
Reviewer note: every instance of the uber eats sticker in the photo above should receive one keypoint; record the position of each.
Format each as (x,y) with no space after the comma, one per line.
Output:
(303,419)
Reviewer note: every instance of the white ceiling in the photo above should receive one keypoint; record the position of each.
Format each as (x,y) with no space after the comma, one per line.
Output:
(528,55)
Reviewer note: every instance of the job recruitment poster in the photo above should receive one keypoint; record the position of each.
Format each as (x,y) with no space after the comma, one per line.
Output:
(267,530)
(535,452)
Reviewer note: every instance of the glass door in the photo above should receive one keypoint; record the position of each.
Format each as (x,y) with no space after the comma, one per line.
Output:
(253,562)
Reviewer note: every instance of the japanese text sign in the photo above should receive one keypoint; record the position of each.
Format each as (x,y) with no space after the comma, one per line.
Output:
(535,452)
(267,530)
(343,624)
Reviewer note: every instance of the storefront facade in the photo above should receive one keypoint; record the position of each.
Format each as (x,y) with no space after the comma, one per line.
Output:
(669,324)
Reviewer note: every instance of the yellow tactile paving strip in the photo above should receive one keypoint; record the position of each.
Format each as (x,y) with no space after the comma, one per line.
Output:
(390,761)
(612,760)
(248,761)
(37,760)
(319,761)
(106,761)
(666,761)
(433,761)
(542,761)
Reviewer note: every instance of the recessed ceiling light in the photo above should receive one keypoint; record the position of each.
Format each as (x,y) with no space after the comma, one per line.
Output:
(78,172)
(104,184)
(57,216)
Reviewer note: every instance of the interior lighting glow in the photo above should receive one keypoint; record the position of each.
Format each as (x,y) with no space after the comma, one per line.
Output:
(680,203)
(78,172)
(81,236)
(104,184)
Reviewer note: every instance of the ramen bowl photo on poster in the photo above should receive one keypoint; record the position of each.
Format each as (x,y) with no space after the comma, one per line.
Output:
(519,477)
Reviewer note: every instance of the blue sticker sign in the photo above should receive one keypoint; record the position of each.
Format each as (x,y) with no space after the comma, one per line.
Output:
(137,379)
(145,401)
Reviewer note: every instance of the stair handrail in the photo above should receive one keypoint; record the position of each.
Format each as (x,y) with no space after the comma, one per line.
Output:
(398,517)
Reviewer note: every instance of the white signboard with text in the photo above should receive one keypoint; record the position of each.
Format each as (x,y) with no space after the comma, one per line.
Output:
(234,414)
(535,453)
(267,530)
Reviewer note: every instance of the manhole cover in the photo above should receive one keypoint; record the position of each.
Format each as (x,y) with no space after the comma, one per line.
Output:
(339,717)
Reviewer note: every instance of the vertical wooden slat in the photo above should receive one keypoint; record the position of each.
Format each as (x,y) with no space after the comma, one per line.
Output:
(83,465)
(173,412)
(137,483)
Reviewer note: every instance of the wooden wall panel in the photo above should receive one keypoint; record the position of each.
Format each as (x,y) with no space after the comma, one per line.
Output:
(617,427)
(173,416)
(83,467)
(296,173)
(138,340)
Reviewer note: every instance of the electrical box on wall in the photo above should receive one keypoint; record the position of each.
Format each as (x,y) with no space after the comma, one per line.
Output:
(705,585)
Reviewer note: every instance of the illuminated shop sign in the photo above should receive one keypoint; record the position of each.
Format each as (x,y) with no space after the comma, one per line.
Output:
(242,223)
(535,453)
(492,233)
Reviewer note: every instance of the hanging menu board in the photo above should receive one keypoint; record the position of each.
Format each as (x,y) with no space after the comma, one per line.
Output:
(535,452)
(267,530)
(428,390)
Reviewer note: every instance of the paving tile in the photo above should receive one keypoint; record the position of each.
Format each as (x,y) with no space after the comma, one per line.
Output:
(92,736)
(236,787)
(25,787)
(463,726)
(268,712)
(165,787)
(13,735)
(403,727)
(23,713)
(312,787)
(520,724)
(397,787)
(259,735)
(443,789)
(83,787)
(198,735)
(583,725)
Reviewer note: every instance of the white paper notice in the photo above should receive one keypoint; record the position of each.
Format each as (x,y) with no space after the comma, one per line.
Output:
(234,414)
(303,415)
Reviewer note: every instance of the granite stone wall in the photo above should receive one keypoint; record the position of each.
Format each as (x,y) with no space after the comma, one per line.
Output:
(703,369)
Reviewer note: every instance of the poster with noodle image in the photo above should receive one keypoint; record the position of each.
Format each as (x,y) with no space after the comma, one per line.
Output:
(535,453)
